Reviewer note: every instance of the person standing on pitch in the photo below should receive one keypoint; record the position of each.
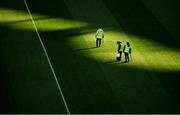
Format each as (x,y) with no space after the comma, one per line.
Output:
(127,51)
(120,50)
(99,36)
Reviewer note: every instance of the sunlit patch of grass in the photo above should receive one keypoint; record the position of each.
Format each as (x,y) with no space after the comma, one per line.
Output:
(11,15)
(146,54)
(18,19)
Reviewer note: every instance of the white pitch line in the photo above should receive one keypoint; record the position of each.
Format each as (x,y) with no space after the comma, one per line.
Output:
(42,44)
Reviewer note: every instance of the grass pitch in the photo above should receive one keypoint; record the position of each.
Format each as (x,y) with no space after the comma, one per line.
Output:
(91,79)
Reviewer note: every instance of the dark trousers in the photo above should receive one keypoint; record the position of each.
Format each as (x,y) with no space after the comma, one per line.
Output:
(126,57)
(120,54)
(98,42)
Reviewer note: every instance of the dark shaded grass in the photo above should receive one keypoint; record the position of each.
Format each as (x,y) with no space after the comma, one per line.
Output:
(140,91)
(170,81)
(13,5)
(6,96)
(47,7)
(168,13)
(27,82)
(135,19)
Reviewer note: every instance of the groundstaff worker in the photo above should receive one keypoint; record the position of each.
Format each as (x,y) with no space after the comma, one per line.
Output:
(99,36)
(127,51)
(120,50)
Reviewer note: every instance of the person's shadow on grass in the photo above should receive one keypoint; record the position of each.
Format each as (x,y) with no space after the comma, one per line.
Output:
(115,62)
(85,49)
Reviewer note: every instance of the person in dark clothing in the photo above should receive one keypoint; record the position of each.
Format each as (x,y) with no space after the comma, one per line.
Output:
(127,51)
(120,50)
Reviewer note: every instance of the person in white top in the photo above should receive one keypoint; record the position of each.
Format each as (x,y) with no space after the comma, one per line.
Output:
(99,36)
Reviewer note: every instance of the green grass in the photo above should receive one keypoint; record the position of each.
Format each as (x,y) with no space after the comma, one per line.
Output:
(18,19)
(91,80)
(28,85)
(147,54)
